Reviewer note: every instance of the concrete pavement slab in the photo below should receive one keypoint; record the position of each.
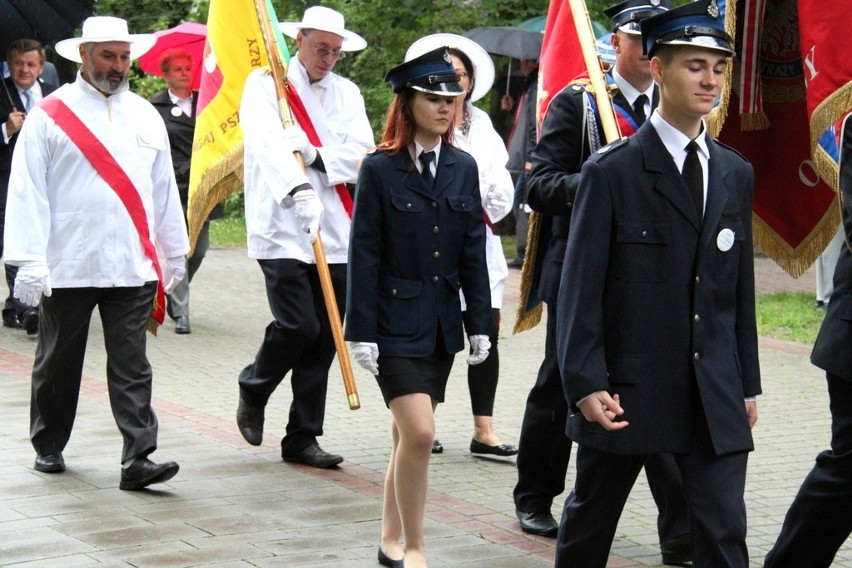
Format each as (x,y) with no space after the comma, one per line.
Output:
(237,505)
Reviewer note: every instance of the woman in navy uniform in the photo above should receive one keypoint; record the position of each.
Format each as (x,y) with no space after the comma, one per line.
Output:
(418,237)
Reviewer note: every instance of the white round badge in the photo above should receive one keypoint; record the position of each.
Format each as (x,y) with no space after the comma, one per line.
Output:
(176,112)
(725,240)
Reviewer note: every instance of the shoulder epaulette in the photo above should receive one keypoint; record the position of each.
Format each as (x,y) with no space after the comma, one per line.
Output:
(615,144)
(731,148)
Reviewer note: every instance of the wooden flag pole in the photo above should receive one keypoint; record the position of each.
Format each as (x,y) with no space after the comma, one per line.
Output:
(593,65)
(279,75)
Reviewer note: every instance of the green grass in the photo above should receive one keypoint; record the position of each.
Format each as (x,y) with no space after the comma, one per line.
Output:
(228,232)
(789,316)
(784,315)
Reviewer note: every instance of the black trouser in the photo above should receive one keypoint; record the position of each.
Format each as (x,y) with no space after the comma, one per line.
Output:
(58,367)
(543,448)
(544,451)
(299,339)
(713,485)
(819,520)
(482,379)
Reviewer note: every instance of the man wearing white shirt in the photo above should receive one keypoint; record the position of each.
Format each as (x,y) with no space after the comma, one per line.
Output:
(91,192)
(23,90)
(282,219)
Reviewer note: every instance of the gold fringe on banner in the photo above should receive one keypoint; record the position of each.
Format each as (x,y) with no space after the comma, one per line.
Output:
(528,319)
(754,121)
(219,181)
(795,261)
(831,109)
(716,118)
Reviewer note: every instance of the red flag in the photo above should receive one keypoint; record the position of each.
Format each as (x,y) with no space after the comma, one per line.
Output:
(561,57)
(803,92)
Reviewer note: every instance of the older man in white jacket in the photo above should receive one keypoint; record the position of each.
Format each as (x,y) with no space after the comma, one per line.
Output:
(91,192)
(333,135)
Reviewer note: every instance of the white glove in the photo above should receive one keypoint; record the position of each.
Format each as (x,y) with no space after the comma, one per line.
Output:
(32,281)
(479,345)
(298,141)
(173,272)
(366,355)
(308,210)
(495,199)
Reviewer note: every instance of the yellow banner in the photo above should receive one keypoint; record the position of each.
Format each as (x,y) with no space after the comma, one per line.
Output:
(234,48)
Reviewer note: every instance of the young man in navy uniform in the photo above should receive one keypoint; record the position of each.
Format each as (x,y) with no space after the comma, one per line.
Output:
(657,342)
(566,142)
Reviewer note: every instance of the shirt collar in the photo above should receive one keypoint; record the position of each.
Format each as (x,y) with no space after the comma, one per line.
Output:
(676,141)
(629,91)
(418,149)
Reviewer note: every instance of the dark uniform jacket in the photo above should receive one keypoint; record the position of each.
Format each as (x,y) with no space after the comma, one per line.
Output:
(652,307)
(552,184)
(180,128)
(411,250)
(833,348)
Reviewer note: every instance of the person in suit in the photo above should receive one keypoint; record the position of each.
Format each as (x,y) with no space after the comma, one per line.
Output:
(474,133)
(418,238)
(657,340)
(818,521)
(563,147)
(22,91)
(176,104)
(282,225)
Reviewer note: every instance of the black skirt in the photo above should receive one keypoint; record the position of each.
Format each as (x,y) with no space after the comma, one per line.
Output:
(408,375)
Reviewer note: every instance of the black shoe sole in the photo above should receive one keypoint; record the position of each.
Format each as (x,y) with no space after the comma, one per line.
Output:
(52,468)
(319,465)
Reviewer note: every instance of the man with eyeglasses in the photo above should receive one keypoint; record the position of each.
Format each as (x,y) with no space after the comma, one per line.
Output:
(284,211)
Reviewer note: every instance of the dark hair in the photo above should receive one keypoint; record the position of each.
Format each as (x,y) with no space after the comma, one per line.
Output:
(23,46)
(400,126)
(468,67)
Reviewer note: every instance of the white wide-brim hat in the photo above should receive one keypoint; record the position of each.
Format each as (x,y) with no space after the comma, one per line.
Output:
(99,29)
(483,67)
(325,20)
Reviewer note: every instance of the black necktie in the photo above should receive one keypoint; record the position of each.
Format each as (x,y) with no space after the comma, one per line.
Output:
(693,175)
(426,160)
(639,108)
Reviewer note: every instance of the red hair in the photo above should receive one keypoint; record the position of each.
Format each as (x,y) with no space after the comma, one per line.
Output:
(400,126)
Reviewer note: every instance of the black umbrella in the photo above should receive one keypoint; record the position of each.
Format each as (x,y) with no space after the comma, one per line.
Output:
(509,41)
(42,20)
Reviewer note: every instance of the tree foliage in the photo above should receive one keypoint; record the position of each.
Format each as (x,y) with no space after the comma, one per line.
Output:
(389,26)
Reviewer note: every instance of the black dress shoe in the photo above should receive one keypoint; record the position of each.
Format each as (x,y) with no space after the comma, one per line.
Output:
(250,422)
(29,321)
(542,524)
(437,447)
(677,552)
(385,560)
(50,463)
(144,472)
(477,447)
(11,320)
(313,456)
(182,325)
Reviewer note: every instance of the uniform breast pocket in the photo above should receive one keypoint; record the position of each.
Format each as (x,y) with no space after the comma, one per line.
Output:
(461,206)
(640,251)
(728,246)
(404,214)
(399,304)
